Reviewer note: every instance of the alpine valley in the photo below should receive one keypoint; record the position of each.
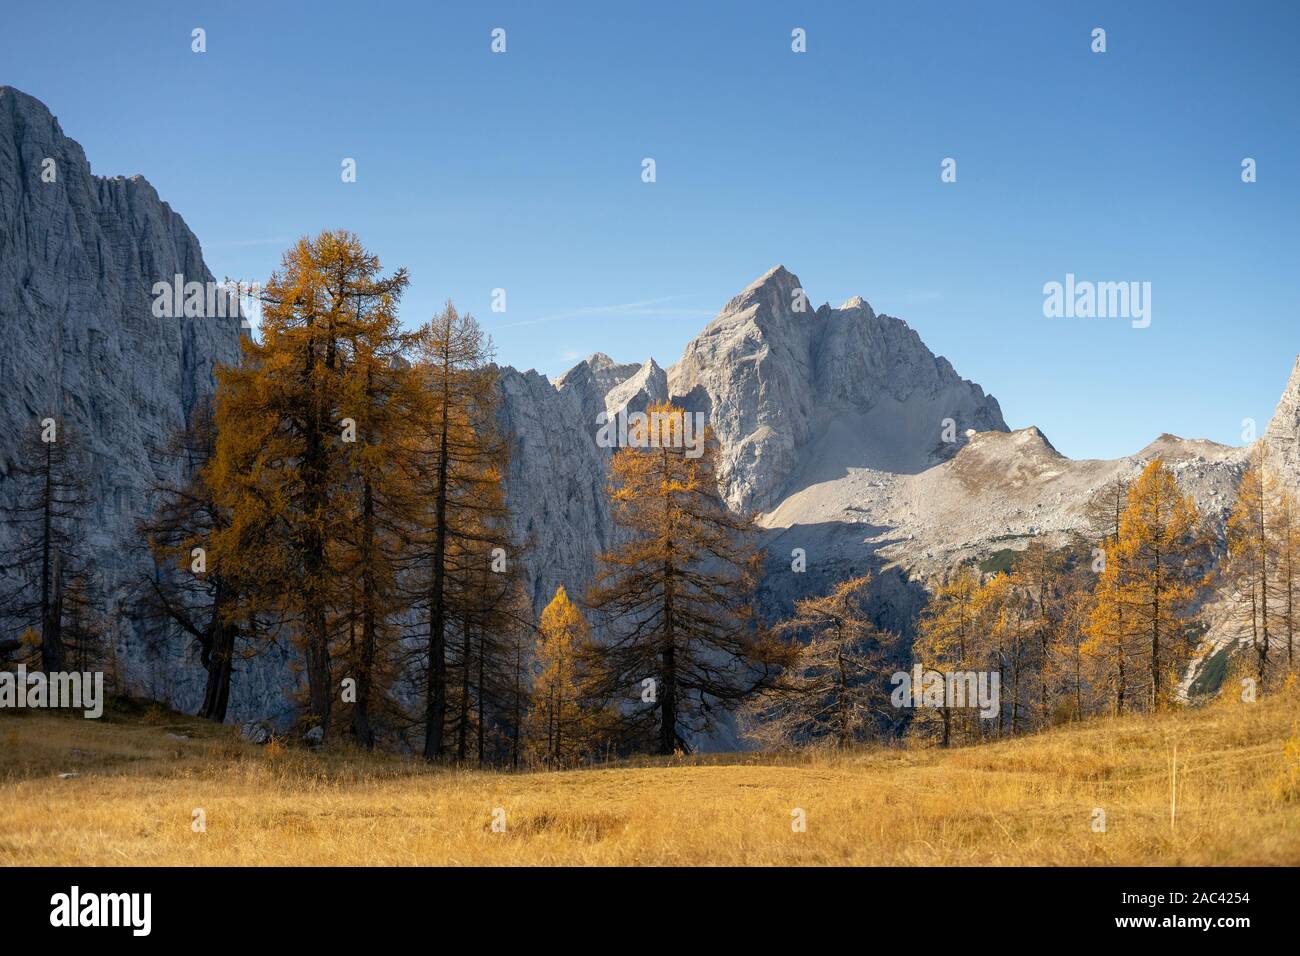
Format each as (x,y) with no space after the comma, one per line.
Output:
(837,425)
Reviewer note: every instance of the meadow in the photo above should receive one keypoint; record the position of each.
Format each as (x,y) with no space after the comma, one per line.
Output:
(136,777)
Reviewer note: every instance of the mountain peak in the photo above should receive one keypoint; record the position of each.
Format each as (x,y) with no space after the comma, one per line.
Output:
(601,370)
(599,361)
(1021,442)
(646,386)
(778,375)
(778,281)
(1282,436)
(777,272)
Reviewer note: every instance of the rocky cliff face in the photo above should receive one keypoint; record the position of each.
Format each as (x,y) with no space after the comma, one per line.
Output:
(1282,436)
(556,482)
(601,370)
(557,476)
(79,256)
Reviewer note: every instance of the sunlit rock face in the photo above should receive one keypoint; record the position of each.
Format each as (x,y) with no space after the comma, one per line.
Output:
(778,375)
(1282,437)
(79,342)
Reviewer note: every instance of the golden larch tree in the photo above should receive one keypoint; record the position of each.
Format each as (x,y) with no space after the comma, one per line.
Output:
(1254,556)
(561,724)
(1287,537)
(952,634)
(1161,549)
(280,467)
(676,596)
(832,690)
(459,473)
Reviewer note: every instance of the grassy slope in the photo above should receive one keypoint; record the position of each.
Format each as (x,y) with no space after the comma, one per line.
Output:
(1027,801)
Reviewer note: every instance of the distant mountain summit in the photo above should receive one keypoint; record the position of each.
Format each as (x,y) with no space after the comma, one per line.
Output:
(601,370)
(783,382)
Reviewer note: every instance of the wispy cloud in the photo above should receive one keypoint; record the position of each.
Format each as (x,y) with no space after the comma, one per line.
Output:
(648,308)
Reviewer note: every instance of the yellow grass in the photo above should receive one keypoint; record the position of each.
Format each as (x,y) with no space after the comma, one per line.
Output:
(1027,801)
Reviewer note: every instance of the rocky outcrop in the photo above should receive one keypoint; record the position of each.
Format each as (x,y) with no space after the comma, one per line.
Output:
(601,370)
(79,257)
(1282,436)
(555,485)
(648,385)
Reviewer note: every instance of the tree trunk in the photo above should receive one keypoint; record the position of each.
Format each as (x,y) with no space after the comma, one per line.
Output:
(668,701)
(436,704)
(53,653)
(318,670)
(219,661)
(668,693)
(361,726)
(480,698)
(462,731)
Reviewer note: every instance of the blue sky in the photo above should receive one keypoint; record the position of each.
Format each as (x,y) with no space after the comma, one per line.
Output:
(523,171)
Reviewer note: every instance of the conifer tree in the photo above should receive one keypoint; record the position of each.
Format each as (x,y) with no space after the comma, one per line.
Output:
(1007,607)
(1070,666)
(280,468)
(45,501)
(1038,574)
(832,690)
(381,395)
(677,595)
(1161,546)
(563,726)
(1287,528)
(1109,646)
(458,472)
(1253,557)
(952,634)
(184,588)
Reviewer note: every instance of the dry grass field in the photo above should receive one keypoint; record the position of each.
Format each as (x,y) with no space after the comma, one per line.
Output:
(1020,802)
